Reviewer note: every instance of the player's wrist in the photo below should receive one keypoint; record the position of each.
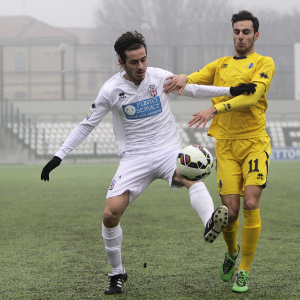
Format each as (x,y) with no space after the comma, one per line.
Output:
(214,110)
(185,78)
(221,107)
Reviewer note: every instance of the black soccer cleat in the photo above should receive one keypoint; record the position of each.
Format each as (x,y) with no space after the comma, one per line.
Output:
(216,224)
(115,284)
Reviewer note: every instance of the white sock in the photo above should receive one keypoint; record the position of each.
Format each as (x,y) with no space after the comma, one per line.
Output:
(113,240)
(201,201)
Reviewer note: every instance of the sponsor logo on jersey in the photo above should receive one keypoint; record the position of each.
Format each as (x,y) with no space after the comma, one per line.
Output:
(227,106)
(263,75)
(249,66)
(113,182)
(220,184)
(88,114)
(153,90)
(90,111)
(122,96)
(224,66)
(260,176)
(143,109)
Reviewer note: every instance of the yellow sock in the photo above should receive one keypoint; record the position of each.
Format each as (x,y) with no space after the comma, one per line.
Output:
(250,236)
(230,236)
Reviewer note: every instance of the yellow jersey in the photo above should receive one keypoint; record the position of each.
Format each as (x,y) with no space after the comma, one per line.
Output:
(242,116)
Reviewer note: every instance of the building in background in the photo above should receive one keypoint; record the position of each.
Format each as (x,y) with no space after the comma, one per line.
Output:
(42,62)
(43,69)
(34,60)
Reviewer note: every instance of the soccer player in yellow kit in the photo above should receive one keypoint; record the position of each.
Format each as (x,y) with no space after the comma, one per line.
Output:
(242,145)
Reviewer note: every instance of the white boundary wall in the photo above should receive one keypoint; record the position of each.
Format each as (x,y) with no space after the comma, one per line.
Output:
(183,109)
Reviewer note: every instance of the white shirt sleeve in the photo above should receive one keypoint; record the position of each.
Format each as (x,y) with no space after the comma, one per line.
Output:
(205,91)
(80,132)
(96,113)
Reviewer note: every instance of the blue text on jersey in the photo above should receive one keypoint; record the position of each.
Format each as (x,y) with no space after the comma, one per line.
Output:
(143,109)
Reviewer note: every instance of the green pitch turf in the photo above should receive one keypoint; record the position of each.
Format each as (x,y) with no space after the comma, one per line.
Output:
(51,244)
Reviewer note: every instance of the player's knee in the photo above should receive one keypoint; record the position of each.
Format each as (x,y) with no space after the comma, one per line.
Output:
(251,204)
(233,214)
(232,202)
(110,218)
(233,211)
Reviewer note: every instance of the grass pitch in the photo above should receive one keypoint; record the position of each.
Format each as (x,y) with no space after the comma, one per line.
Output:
(51,244)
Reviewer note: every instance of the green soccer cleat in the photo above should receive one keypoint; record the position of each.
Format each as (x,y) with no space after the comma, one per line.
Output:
(227,266)
(241,282)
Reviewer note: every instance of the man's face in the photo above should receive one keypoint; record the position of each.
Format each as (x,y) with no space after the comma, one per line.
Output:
(135,65)
(244,37)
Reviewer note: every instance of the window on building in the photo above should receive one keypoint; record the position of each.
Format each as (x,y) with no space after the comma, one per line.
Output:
(20,61)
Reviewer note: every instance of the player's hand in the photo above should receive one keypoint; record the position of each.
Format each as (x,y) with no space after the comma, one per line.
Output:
(52,164)
(175,82)
(248,88)
(202,117)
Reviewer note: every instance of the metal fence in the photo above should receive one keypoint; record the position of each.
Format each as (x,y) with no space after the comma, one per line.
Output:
(80,72)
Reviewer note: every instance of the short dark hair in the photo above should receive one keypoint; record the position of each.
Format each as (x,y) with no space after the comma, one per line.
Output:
(245,15)
(131,40)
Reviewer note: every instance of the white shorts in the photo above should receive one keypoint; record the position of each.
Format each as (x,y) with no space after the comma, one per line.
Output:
(136,172)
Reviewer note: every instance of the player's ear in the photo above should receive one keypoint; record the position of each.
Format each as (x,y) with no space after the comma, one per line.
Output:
(121,63)
(256,36)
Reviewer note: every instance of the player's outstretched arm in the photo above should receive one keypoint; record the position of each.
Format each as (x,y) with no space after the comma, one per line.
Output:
(248,88)
(52,164)
(202,117)
(175,82)
(210,91)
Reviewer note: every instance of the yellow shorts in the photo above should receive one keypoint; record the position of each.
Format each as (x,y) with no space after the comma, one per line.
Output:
(241,163)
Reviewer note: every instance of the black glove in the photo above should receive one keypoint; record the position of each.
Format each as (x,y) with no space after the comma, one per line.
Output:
(52,164)
(243,88)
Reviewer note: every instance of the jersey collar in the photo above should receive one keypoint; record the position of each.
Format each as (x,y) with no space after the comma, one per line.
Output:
(241,57)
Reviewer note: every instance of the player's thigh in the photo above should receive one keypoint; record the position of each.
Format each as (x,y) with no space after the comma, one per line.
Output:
(134,174)
(229,173)
(256,163)
(114,209)
(164,164)
(117,204)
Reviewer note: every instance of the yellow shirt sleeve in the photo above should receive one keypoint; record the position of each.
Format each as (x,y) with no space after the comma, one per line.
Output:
(205,76)
(242,101)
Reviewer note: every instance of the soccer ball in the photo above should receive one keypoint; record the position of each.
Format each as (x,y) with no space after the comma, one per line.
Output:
(194,162)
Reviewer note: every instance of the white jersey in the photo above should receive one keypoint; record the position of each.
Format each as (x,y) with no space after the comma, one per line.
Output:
(142,119)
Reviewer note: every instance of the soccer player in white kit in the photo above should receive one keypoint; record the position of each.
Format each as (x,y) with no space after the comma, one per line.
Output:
(148,143)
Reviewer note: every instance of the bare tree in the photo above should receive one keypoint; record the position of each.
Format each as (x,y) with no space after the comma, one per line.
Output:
(185,35)
(175,29)
(165,22)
